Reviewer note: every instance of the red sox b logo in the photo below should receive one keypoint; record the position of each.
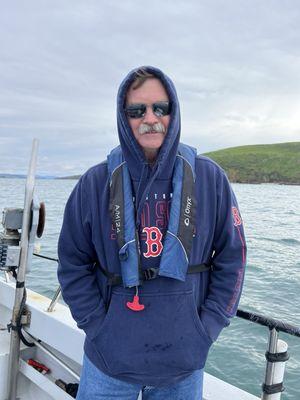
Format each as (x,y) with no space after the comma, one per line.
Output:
(153,241)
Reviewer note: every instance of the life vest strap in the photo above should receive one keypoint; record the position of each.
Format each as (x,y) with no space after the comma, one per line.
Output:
(151,273)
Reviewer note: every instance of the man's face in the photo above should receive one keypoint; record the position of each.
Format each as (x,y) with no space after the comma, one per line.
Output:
(151,91)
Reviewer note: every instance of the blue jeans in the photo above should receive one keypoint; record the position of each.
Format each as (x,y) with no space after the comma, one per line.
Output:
(95,385)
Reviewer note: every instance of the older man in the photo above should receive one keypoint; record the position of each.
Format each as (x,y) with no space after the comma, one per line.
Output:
(152,254)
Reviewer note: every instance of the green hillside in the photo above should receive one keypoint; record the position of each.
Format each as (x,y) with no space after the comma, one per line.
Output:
(277,163)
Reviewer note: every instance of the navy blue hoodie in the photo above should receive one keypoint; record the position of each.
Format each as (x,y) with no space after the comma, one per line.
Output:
(171,337)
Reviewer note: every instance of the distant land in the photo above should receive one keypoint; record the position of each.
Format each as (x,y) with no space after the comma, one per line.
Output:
(69,177)
(262,163)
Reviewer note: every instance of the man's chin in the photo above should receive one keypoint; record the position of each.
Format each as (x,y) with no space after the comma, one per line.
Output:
(150,154)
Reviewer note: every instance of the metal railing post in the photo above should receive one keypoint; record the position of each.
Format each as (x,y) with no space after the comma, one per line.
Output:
(276,357)
(14,351)
(54,300)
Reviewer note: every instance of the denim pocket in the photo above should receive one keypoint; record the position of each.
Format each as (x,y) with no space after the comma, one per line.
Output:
(165,339)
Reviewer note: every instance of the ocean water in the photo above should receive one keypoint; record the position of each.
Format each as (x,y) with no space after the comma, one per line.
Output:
(271,215)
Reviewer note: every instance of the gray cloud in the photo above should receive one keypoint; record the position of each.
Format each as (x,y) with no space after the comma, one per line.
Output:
(235,66)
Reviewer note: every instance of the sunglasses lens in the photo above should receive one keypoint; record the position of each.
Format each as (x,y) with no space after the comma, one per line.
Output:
(162,108)
(136,110)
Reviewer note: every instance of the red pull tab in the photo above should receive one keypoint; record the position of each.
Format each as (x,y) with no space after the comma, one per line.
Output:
(135,305)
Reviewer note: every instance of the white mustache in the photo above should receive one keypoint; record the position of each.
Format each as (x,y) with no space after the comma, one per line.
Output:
(157,127)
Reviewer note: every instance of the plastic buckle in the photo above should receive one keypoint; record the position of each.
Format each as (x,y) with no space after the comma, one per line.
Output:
(150,273)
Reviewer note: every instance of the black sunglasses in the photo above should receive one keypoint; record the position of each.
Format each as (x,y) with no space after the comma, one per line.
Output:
(138,110)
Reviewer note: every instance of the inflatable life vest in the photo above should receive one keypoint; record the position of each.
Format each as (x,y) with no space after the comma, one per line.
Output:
(181,227)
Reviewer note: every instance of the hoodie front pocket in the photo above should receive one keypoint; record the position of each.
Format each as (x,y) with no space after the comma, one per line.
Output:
(165,339)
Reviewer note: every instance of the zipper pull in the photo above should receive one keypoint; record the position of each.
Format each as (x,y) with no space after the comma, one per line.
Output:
(135,304)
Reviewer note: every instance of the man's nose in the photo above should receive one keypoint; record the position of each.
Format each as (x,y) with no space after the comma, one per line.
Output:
(150,117)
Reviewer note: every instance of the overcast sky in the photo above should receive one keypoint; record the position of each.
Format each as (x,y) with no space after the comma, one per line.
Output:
(235,64)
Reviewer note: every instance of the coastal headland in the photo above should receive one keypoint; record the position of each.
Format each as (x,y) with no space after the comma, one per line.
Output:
(263,163)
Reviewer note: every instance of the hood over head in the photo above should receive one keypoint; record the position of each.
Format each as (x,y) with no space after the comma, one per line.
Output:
(137,163)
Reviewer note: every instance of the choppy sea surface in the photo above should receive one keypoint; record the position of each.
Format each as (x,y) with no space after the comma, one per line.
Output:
(271,215)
